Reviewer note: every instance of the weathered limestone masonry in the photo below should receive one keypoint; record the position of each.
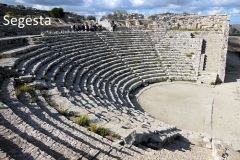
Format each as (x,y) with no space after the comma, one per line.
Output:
(97,79)
(214,32)
(179,53)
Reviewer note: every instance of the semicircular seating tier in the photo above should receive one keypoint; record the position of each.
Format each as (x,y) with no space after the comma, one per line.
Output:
(87,73)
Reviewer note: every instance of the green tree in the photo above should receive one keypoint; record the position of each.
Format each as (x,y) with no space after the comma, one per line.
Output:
(57,13)
(91,18)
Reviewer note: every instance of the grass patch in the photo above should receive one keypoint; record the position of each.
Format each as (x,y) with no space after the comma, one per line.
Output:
(212,83)
(33,100)
(137,61)
(63,111)
(103,131)
(166,47)
(17,92)
(189,54)
(23,88)
(115,135)
(189,29)
(98,94)
(83,121)
(196,33)
(100,130)
(93,127)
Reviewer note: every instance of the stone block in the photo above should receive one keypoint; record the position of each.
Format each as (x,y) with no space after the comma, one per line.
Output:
(26,79)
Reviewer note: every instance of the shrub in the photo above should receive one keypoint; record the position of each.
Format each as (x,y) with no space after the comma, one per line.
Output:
(196,33)
(100,130)
(24,88)
(115,135)
(189,54)
(83,121)
(170,36)
(137,61)
(63,111)
(98,94)
(103,131)
(93,127)
(213,83)
(33,100)
(57,13)
(91,18)
(17,92)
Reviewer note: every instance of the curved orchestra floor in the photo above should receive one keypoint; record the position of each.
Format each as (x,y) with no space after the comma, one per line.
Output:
(188,107)
(180,104)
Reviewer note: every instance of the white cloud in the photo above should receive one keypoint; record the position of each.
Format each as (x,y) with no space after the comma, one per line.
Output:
(217,10)
(110,3)
(42,7)
(235,11)
(174,6)
(137,2)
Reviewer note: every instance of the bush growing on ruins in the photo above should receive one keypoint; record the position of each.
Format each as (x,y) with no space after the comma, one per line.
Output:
(91,18)
(57,13)
(83,121)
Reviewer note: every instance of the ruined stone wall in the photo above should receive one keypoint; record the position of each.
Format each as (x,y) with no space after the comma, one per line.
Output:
(185,21)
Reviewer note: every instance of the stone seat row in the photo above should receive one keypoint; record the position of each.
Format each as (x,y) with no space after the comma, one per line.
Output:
(53,132)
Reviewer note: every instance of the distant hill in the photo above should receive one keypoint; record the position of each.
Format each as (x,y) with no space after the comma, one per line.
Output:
(21,11)
(234,30)
(234,44)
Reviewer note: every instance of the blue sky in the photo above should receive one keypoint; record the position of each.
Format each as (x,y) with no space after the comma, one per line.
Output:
(147,7)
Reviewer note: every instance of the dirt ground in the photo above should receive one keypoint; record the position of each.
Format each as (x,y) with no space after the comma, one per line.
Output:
(187,105)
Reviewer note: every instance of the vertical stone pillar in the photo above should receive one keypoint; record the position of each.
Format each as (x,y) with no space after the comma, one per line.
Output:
(223,58)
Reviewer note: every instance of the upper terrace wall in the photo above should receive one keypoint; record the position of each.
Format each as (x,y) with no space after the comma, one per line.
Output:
(180,21)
